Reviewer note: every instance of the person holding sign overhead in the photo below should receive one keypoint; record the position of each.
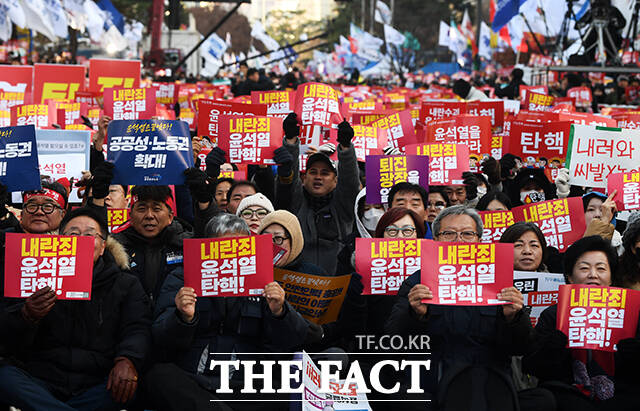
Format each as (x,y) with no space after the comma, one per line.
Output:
(75,353)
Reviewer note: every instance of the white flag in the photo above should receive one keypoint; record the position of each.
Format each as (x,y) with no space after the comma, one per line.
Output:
(213,48)
(393,36)
(382,14)
(15,12)
(258,32)
(5,23)
(443,37)
(36,19)
(484,46)
(95,20)
(57,17)
(76,14)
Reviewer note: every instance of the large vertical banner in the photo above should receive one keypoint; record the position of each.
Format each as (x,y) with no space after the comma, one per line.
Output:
(57,81)
(112,73)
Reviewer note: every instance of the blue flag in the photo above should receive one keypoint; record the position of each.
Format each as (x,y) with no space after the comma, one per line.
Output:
(149,152)
(113,15)
(505,11)
(19,158)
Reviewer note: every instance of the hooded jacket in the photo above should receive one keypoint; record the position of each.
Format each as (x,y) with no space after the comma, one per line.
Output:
(325,230)
(74,346)
(152,259)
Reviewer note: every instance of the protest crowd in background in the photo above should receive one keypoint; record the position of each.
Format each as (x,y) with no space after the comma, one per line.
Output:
(149,227)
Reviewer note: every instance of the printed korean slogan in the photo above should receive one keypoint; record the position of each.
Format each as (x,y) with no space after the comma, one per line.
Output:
(628,187)
(540,290)
(250,140)
(447,162)
(110,73)
(317,104)
(495,223)
(317,298)
(384,171)
(384,263)
(130,103)
(64,263)
(227,267)
(19,158)
(152,152)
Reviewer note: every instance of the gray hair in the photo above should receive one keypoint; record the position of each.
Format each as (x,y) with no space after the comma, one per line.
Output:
(458,210)
(224,224)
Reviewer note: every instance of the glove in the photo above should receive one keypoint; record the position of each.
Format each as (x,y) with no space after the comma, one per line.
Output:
(284,159)
(355,284)
(290,126)
(507,166)
(491,168)
(562,183)
(214,160)
(328,149)
(196,180)
(391,151)
(123,380)
(345,134)
(102,176)
(38,305)
(471,184)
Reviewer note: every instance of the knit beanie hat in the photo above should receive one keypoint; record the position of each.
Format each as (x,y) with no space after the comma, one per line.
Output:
(292,225)
(256,200)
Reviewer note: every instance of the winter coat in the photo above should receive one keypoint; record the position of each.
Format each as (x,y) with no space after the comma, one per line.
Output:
(326,229)
(74,346)
(152,260)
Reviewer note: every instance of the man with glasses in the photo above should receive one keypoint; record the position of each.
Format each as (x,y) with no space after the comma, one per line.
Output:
(43,210)
(413,197)
(77,354)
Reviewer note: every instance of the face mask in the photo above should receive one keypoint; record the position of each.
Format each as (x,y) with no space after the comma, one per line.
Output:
(481,191)
(371,217)
(531,196)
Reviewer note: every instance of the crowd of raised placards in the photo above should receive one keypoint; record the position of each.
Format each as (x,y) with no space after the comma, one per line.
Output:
(150,228)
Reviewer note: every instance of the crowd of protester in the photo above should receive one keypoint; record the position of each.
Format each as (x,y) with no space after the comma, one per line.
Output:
(143,340)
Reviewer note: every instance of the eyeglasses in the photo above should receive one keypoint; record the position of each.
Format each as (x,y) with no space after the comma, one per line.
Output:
(393,231)
(46,208)
(437,205)
(278,240)
(247,213)
(454,235)
(87,234)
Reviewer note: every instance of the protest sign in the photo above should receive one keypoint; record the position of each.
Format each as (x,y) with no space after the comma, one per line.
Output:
(628,187)
(149,152)
(493,109)
(228,267)
(166,93)
(317,298)
(383,172)
(466,273)
(537,101)
(250,140)
(188,115)
(368,118)
(362,106)
(539,289)
(130,104)
(279,102)
(88,97)
(497,146)
(112,73)
(447,162)
(116,217)
(595,152)
(495,223)
(64,263)
(627,120)
(19,158)
(474,131)
(399,127)
(57,81)
(317,104)
(539,143)
(587,119)
(209,112)
(70,112)
(384,263)
(535,89)
(5,118)
(596,318)
(581,95)
(39,115)
(367,141)
(561,221)
(16,86)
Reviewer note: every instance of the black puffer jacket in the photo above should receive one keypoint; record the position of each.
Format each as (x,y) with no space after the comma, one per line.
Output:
(152,260)
(74,346)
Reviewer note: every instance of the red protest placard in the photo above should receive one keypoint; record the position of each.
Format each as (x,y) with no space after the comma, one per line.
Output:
(495,223)
(113,73)
(586,118)
(69,112)
(434,110)
(596,318)
(166,93)
(228,267)
(64,263)
(581,95)
(538,116)
(384,263)
(250,140)
(91,99)
(57,81)
(130,104)
(627,120)
(116,217)
(473,131)
(362,106)
(466,273)
(368,118)
(493,109)
(16,87)
(366,140)
(39,115)
(628,186)
(400,128)
(209,112)
(279,103)
(317,104)
(537,101)
(561,221)
(447,162)
(188,115)
(538,144)
(535,89)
